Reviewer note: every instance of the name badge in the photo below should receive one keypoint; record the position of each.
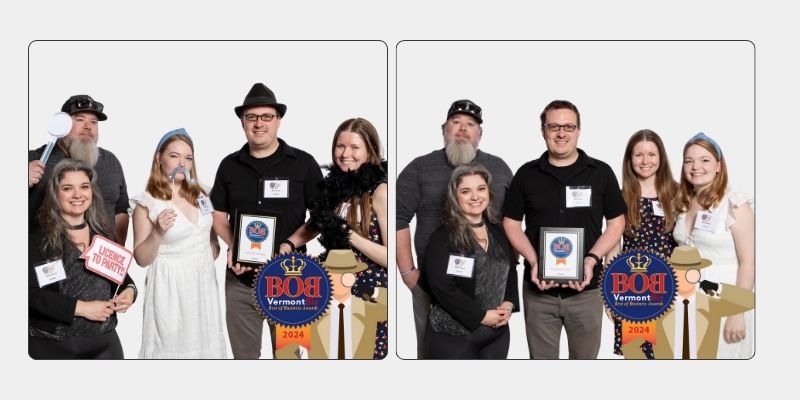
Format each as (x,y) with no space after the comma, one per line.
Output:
(579,196)
(705,221)
(658,211)
(276,189)
(460,266)
(205,205)
(50,273)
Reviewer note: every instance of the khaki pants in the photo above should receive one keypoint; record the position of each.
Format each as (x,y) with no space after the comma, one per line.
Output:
(580,315)
(245,323)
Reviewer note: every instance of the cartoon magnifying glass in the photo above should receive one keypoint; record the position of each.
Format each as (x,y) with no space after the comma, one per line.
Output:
(59,126)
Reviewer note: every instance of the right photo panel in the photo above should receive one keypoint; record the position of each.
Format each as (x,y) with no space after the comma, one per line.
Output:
(575,200)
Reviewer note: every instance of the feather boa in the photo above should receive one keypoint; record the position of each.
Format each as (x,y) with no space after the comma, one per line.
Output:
(336,188)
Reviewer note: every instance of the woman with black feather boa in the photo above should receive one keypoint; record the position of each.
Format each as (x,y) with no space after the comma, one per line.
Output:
(351,211)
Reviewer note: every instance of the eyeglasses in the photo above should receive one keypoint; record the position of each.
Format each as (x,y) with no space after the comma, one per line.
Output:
(565,127)
(255,117)
(87,104)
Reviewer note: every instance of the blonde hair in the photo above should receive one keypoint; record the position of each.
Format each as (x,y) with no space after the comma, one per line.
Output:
(157,184)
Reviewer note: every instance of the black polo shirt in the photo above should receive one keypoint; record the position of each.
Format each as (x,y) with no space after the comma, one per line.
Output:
(538,192)
(239,184)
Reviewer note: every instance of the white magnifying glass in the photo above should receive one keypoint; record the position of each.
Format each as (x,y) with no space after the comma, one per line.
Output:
(59,126)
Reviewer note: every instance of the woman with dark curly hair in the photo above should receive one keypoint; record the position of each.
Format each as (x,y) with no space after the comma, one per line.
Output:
(71,310)
(351,211)
(471,273)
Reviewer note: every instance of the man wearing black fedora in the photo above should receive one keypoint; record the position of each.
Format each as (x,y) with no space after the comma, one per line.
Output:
(423,183)
(81,144)
(268,176)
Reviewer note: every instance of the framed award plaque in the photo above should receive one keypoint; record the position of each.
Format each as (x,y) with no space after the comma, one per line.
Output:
(254,237)
(560,254)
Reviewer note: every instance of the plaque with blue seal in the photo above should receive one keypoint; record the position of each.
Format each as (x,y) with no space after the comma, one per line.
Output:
(560,254)
(254,237)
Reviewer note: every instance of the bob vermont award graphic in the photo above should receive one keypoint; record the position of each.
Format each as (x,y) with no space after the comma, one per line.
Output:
(292,291)
(561,254)
(638,286)
(254,237)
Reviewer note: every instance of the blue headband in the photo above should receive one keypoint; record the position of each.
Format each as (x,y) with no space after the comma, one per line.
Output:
(179,131)
(702,136)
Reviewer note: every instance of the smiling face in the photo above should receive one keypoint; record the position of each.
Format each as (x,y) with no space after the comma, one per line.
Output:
(700,166)
(262,136)
(177,153)
(473,197)
(74,195)
(561,145)
(645,160)
(350,151)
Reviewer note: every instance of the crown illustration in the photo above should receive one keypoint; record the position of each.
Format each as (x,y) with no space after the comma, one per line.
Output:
(641,263)
(293,266)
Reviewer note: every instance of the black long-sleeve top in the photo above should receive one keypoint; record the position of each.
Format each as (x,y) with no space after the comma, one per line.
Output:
(51,309)
(457,295)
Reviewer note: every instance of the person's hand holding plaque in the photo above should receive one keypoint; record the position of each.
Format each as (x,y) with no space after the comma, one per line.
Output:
(237,268)
(588,273)
(541,284)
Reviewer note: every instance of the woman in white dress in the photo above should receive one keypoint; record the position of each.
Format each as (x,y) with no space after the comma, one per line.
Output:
(720,223)
(172,235)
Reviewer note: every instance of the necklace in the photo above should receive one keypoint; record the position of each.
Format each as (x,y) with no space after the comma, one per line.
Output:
(477,225)
(79,226)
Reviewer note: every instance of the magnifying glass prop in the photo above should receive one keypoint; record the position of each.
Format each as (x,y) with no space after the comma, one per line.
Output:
(59,126)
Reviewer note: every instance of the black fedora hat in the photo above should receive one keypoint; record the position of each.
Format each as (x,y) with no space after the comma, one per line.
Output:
(83,103)
(260,95)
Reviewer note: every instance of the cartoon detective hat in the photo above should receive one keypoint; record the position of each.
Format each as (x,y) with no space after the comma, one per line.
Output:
(687,257)
(343,261)
(260,95)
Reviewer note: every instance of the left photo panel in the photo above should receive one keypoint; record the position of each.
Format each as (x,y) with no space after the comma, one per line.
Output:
(207,200)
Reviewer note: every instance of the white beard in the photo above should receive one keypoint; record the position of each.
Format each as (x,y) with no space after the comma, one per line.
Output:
(84,150)
(459,153)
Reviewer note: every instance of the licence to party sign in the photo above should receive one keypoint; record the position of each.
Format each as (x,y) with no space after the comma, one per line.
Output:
(108,259)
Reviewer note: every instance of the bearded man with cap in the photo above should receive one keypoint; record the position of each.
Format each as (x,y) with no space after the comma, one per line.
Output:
(422,185)
(690,329)
(243,177)
(81,144)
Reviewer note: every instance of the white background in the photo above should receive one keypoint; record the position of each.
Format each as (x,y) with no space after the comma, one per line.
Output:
(150,88)
(673,88)
(770,25)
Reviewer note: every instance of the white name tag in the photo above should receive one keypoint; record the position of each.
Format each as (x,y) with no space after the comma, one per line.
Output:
(276,189)
(705,221)
(50,273)
(579,196)
(460,266)
(205,205)
(658,211)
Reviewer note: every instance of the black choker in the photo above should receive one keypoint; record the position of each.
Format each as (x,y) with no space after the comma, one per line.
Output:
(478,225)
(79,226)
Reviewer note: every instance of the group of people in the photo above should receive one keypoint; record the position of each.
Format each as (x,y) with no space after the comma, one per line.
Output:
(469,212)
(81,192)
